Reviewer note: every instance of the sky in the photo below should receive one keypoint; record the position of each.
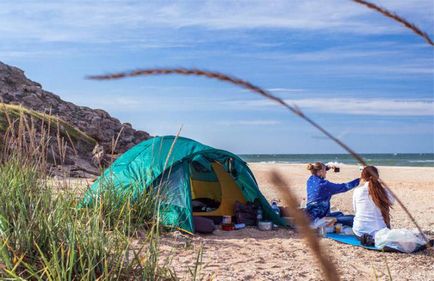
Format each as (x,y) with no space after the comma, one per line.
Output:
(365,78)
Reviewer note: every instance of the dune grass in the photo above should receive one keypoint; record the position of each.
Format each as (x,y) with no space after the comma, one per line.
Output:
(9,112)
(44,235)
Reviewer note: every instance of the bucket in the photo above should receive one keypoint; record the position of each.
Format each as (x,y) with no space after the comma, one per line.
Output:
(228,227)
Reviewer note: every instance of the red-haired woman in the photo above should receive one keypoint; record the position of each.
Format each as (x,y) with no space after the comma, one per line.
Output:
(371,203)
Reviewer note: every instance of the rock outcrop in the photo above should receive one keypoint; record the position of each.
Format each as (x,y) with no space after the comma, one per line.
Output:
(16,88)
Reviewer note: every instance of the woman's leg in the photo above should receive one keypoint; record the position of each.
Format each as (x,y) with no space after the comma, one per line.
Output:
(335,214)
(346,220)
(341,218)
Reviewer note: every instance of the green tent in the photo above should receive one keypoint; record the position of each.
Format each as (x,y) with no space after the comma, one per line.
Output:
(186,170)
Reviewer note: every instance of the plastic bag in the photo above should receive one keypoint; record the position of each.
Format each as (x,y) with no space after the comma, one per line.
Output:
(323,222)
(403,240)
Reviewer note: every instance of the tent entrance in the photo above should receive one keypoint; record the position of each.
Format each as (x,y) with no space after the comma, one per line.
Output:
(215,197)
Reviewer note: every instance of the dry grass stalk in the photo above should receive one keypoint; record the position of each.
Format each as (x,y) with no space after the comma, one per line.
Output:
(247,85)
(397,18)
(302,221)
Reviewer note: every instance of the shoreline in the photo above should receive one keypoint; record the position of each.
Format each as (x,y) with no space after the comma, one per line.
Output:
(341,164)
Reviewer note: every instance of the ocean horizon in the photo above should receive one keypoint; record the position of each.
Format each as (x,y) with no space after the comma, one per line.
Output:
(376,159)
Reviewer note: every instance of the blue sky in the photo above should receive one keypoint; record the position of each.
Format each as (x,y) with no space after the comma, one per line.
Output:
(363,77)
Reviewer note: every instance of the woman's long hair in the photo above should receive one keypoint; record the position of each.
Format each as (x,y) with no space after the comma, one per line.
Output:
(377,192)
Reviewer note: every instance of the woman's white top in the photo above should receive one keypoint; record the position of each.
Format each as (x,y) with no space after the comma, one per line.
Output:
(368,218)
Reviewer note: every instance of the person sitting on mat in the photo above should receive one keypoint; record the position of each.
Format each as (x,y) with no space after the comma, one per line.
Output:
(320,191)
(371,204)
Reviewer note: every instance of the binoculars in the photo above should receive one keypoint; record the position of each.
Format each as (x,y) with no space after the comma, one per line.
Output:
(334,168)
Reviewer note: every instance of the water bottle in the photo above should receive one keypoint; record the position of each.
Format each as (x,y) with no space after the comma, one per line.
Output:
(259,215)
(275,208)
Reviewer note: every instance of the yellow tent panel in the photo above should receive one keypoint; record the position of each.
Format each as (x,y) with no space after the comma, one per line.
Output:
(225,188)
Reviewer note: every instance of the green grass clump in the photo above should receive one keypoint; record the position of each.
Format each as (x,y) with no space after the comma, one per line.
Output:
(13,111)
(44,236)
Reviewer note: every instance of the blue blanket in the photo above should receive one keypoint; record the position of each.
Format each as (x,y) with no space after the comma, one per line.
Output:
(350,240)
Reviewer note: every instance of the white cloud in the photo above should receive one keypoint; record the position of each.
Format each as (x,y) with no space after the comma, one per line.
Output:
(249,122)
(101,21)
(285,90)
(352,106)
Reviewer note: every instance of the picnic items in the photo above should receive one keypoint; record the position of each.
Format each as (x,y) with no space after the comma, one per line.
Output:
(238,226)
(325,221)
(227,220)
(228,227)
(403,240)
(338,228)
(245,213)
(265,225)
(259,215)
(203,225)
(275,208)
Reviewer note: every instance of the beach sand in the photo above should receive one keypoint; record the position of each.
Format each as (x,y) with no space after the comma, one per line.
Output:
(250,254)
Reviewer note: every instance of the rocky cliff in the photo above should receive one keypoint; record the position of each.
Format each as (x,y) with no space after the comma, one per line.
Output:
(16,88)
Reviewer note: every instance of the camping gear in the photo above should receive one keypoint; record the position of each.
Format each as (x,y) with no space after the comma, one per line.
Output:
(329,229)
(227,220)
(367,240)
(203,225)
(259,216)
(403,240)
(182,172)
(245,213)
(338,228)
(275,208)
(239,226)
(322,231)
(354,241)
(347,230)
(228,227)
(325,221)
(265,225)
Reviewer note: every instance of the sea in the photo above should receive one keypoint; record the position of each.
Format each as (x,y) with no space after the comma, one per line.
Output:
(392,159)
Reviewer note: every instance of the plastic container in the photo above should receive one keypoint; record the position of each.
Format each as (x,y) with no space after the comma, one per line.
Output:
(338,227)
(329,229)
(259,215)
(322,231)
(275,208)
(228,227)
(227,220)
(239,225)
(347,230)
(265,225)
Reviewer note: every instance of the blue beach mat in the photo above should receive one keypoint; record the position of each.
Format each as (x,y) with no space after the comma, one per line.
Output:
(350,240)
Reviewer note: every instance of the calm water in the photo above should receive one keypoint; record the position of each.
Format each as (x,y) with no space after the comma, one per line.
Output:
(397,159)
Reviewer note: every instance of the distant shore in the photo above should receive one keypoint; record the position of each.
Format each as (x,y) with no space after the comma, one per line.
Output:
(384,159)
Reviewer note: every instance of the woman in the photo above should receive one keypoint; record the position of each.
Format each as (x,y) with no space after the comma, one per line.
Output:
(320,191)
(371,203)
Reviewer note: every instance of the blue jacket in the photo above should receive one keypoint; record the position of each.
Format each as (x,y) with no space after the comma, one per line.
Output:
(319,193)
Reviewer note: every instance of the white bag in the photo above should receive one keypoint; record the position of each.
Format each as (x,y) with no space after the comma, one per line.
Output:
(403,240)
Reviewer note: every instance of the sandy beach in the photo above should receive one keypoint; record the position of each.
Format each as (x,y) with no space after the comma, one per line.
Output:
(250,254)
